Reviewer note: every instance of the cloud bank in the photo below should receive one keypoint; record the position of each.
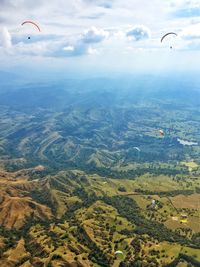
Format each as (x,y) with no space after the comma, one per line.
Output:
(84,27)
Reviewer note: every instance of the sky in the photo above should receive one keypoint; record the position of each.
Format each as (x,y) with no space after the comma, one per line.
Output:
(106,35)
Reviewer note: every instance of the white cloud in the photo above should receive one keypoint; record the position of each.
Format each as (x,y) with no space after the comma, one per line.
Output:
(184,3)
(193,46)
(5,38)
(32,49)
(94,35)
(54,45)
(79,49)
(81,45)
(191,32)
(69,48)
(92,51)
(139,33)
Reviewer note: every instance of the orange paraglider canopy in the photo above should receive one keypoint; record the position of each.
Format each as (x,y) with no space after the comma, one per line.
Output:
(31,22)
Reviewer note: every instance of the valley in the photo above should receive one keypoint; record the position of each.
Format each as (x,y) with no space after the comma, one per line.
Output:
(86,178)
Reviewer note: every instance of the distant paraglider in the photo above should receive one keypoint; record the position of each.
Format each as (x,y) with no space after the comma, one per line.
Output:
(119,254)
(162,133)
(137,148)
(153,203)
(168,34)
(33,24)
(138,151)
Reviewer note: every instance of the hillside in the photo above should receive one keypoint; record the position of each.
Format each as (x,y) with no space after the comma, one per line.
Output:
(96,126)
(77,219)
(86,178)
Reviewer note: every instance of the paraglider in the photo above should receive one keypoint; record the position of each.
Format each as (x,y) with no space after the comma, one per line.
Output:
(161,133)
(137,148)
(138,151)
(32,23)
(119,254)
(153,203)
(168,34)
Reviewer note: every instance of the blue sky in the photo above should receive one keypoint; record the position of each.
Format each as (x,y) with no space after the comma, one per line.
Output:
(101,34)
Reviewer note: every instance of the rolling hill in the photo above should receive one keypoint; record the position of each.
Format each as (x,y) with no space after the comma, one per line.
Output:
(84,172)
